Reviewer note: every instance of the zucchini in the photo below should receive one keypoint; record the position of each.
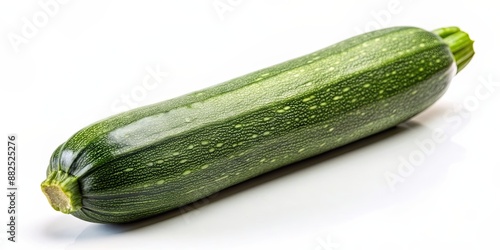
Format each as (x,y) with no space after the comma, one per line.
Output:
(159,157)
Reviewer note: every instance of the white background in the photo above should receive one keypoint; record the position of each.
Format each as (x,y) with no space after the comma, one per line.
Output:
(82,59)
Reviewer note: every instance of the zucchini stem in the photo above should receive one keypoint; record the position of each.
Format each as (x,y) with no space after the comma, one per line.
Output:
(62,191)
(460,44)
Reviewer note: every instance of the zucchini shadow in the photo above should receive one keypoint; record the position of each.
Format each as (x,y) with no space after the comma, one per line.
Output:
(423,182)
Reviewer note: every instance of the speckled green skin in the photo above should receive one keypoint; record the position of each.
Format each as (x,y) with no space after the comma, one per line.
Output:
(159,157)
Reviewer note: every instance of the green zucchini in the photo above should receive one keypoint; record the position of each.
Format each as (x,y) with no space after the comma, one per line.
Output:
(159,157)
